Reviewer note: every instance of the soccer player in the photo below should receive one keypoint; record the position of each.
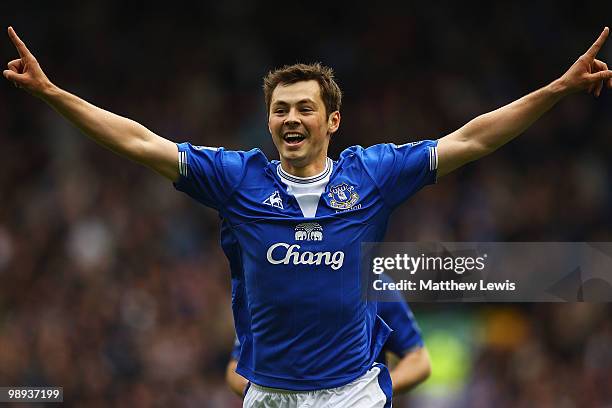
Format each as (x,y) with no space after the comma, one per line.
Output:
(292,228)
(405,342)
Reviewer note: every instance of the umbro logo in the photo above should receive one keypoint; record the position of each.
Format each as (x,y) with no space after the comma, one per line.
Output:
(274,200)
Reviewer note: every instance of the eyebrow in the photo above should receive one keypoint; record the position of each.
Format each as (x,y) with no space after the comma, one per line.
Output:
(301,101)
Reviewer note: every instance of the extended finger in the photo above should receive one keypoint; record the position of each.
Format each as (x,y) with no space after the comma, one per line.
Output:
(20,45)
(592,52)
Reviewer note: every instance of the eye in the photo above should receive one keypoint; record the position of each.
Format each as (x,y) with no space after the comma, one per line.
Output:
(279,111)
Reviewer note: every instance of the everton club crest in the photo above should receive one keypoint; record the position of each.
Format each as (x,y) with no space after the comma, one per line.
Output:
(342,196)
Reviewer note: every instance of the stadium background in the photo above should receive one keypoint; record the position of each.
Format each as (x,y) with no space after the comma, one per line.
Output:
(112,284)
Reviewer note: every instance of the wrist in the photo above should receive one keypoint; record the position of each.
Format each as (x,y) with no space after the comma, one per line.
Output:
(47,91)
(559,88)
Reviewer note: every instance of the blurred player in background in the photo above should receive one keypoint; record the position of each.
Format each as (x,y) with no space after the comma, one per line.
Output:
(292,228)
(404,343)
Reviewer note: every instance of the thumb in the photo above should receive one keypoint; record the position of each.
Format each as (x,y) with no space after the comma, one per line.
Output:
(13,77)
(602,75)
(10,75)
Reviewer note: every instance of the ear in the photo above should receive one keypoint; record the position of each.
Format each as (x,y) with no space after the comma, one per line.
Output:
(333,122)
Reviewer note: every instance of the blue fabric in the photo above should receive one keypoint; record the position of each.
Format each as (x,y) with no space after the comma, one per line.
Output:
(406,333)
(296,289)
(384,382)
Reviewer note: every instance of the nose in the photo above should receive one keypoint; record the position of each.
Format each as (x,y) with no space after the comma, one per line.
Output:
(292,119)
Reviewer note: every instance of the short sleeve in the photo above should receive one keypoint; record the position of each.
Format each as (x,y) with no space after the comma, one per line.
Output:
(406,334)
(209,174)
(399,171)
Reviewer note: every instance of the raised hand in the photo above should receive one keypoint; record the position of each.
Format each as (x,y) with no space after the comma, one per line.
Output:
(25,72)
(589,73)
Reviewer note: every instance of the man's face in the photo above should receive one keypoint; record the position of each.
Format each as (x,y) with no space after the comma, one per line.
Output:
(299,125)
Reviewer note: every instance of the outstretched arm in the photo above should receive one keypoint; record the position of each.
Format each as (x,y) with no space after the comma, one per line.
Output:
(121,135)
(411,370)
(488,132)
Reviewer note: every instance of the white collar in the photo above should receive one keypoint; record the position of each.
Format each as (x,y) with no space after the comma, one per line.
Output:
(306,180)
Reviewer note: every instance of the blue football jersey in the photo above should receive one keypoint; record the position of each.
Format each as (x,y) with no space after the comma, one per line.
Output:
(406,333)
(296,290)
(236,349)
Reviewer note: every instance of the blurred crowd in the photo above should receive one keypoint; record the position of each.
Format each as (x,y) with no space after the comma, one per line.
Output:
(113,285)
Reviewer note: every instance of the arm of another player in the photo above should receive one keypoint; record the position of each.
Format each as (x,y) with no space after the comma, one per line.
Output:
(235,381)
(488,132)
(411,370)
(121,135)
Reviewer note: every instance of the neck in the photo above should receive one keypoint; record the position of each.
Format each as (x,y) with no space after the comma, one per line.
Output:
(311,169)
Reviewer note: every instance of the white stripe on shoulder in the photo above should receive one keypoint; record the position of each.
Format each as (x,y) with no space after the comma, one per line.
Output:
(182,163)
(436,157)
(433,158)
(214,149)
(411,144)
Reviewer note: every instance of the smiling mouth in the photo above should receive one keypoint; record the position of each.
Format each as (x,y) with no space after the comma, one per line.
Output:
(293,138)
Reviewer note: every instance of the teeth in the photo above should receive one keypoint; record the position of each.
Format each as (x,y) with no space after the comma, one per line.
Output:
(293,136)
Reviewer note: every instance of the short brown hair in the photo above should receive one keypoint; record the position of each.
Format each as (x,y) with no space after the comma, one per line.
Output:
(290,74)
